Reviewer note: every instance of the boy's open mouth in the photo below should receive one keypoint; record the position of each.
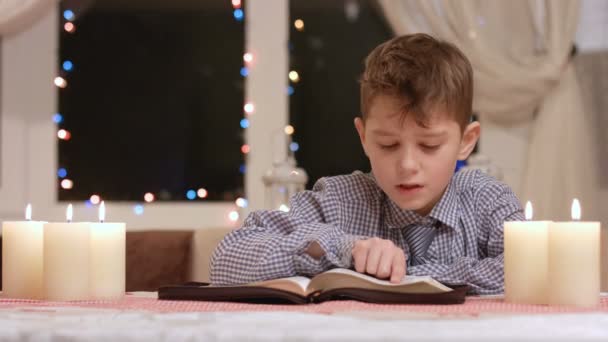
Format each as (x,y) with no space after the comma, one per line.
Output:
(409,187)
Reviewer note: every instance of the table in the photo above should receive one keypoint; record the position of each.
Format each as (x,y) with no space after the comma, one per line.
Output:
(141,317)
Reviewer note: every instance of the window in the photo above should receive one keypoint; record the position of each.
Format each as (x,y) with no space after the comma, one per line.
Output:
(153,101)
(327,50)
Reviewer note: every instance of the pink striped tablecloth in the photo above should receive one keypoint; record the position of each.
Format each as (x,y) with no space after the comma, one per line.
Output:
(474,306)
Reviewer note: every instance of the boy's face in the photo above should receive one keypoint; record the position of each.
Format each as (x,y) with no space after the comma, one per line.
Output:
(413,164)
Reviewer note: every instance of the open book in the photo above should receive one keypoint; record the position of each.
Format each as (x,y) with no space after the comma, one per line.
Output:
(334,284)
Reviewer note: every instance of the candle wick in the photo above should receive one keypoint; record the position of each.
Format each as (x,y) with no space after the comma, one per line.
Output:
(100,221)
(69,221)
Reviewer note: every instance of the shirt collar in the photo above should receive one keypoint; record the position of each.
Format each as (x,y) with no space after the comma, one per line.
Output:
(447,211)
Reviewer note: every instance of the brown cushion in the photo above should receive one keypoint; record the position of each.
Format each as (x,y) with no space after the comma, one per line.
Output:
(157,258)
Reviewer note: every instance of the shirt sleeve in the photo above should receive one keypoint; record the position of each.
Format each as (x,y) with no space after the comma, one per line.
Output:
(272,244)
(486,275)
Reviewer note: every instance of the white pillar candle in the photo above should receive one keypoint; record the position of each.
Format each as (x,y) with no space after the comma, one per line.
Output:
(107,258)
(66,259)
(526,260)
(22,248)
(574,261)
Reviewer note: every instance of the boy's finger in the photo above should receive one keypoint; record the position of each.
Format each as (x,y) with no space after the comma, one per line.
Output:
(398,268)
(373,259)
(360,258)
(385,265)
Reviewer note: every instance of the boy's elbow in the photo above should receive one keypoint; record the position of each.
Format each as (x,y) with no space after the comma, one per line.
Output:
(226,263)
(218,269)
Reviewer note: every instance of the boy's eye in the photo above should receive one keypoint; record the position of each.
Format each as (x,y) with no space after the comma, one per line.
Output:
(388,146)
(429,147)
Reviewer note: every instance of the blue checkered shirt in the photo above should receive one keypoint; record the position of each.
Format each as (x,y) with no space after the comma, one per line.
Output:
(466,247)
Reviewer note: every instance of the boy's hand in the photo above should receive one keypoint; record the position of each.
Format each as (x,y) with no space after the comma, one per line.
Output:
(315,250)
(380,258)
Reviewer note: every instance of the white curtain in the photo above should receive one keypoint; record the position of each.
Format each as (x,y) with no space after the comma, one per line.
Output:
(520,52)
(18,15)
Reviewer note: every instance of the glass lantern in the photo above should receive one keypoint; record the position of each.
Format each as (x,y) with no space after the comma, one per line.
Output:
(282,181)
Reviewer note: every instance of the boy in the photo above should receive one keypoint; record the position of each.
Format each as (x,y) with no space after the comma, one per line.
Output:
(411,213)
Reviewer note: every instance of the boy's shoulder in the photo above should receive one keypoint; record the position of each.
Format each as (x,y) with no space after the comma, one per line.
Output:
(354,186)
(478,184)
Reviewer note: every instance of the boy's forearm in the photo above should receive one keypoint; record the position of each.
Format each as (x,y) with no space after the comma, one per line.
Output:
(249,258)
(484,276)
(255,254)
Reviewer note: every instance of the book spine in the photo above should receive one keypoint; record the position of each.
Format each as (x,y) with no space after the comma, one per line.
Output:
(314,297)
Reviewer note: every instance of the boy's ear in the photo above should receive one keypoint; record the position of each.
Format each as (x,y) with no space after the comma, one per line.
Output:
(360,126)
(470,136)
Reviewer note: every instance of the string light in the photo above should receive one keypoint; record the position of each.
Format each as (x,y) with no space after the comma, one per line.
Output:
(63,134)
(284,208)
(60,82)
(149,197)
(289,129)
(57,118)
(241,202)
(191,194)
(62,173)
(294,77)
(248,57)
(95,199)
(233,216)
(299,24)
(67,184)
(238,14)
(68,65)
(249,108)
(236,3)
(290,90)
(294,146)
(68,15)
(69,27)
(202,193)
(138,209)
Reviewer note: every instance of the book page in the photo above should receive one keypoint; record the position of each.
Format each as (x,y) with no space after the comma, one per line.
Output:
(345,278)
(297,285)
(407,279)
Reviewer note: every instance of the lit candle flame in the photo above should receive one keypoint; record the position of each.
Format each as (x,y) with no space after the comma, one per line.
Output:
(28,212)
(528,211)
(102,211)
(576,210)
(69,213)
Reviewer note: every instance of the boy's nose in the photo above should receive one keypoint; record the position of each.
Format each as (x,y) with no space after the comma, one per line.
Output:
(408,163)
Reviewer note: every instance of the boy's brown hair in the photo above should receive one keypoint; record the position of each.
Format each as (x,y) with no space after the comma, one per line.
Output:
(427,74)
